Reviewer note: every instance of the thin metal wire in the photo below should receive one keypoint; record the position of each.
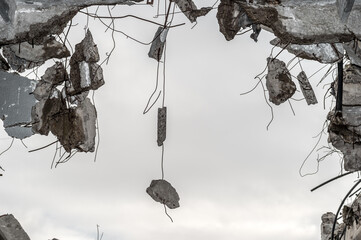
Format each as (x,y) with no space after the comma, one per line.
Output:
(166,213)
(11,144)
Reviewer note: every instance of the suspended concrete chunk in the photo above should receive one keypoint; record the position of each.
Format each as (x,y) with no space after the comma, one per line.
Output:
(278,82)
(162,125)
(10,228)
(306,88)
(16,102)
(351,86)
(256,28)
(55,74)
(353,52)
(344,9)
(156,49)
(231,18)
(327,224)
(321,52)
(85,74)
(163,192)
(190,10)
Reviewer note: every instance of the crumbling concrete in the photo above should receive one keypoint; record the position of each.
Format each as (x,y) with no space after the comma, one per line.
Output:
(327,224)
(190,10)
(10,229)
(23,20)
(306,88)
(279,82)
(156,49)
(162,125)
(16,102)
(321,52)
(163,192)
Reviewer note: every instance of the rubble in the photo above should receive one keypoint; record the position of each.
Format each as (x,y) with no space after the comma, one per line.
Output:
(279,82)
(16,102)
(190,10)
(162,125)
(306,88)
(231,18)
(353,52)
(10,229)
(156,49)
(321,52)
(85,74)
(327,224)
(163,192)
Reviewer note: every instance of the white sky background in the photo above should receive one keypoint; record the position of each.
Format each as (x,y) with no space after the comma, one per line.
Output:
(236,180)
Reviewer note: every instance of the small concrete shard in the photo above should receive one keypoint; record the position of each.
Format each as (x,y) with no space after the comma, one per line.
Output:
(163,192)
(16,102)
(190,10)
(321,52)
(344,9)
(256,28)
(85,74)
(56,74)
(353,52)
(162,125)
(156,49)
(327,225)
(306,88)
(231,18)
(10,229)
(4,64)
(278,82)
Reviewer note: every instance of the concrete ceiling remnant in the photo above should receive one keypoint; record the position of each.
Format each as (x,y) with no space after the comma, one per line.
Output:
(279,81)
(11,229)
(163,192)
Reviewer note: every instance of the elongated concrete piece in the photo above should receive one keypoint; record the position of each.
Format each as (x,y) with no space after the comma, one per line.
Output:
(10,228)
(162,125)
(306,88)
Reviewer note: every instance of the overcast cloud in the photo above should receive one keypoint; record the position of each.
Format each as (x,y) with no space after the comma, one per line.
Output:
(236,180)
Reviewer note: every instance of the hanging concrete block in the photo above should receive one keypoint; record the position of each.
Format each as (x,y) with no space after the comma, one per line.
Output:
(231,18)
(353,52)
(10,229)
(85,74)
(16,102)
(321,52)
(327,224)
(306,88)
(190,10)
(56,74)
(278,82)
(156,49)
(162,125)
(163,192)
(256,28)
(344,9)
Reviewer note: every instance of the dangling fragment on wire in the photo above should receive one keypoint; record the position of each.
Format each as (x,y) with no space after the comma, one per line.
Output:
(278,82)
(156,49)
(306,88)
(162,125)
(163,192)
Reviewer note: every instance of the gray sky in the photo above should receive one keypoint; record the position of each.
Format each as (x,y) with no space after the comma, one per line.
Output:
(236,180)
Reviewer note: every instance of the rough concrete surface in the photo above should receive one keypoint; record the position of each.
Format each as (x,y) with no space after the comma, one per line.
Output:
(306,88)
(10,229)
(163,192)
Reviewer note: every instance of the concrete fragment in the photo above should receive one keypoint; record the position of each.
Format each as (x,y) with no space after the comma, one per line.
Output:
(3,63)
(163,192)
(19,64)
(4,10)
(353,51)
(27,20)
(278,82)
(231,18)
(351,86)
(42,90)
(321,52)
(16,102)
(256,28)
(305,21)
(306,88)
(156,49)
(344,9)
(10,228)
(85,74)
(162,125)
(56,74)
(327,224)
(190,10)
